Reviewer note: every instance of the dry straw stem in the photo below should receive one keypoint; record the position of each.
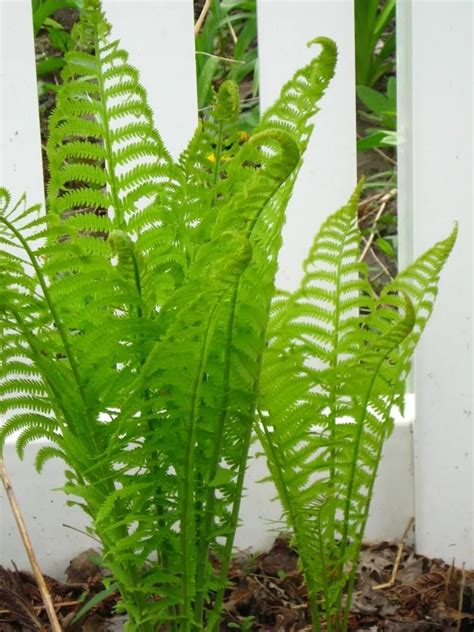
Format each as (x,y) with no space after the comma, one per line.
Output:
(393,577)
(461,595)
(202,17)
(46,597)
(61,604)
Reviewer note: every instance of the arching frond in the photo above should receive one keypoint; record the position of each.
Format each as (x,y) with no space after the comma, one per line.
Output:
(336,363)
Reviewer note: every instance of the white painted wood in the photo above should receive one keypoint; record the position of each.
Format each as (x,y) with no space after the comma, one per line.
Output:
(404,134)
(159,36)
(440,82)
(20,168)
(20,144)
(329,173)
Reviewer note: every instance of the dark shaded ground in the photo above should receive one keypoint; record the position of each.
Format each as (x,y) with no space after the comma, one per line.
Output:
(267,593)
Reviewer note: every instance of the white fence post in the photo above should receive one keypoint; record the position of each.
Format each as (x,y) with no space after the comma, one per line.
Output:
(159,36)
(328,176)
(325,182)
(439,143)
(20,143)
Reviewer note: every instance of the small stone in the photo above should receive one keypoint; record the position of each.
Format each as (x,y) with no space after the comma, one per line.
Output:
(83,568)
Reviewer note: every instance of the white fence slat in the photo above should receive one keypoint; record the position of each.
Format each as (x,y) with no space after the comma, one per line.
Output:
(159,36)
(20,144)
(404,133)
(440,82)
(329,173)
(326,181)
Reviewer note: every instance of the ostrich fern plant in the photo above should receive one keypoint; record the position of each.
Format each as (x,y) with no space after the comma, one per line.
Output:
(333,371)
(141,338)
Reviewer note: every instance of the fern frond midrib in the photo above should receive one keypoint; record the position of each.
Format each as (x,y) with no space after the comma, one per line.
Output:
(119,220)
(293,516)
(210,499)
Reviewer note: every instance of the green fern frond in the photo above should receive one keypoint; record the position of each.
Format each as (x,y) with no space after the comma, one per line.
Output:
(296,104)
(31,435)
(45,454)
(335,365)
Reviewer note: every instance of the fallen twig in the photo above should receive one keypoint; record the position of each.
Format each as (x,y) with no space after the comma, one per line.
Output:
(368,243)
(68,526)
(46,597)
(379,262)
(233,34)
(368,201)
(61,604)
(228,60)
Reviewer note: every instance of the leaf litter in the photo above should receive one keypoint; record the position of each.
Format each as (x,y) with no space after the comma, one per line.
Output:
(267,593)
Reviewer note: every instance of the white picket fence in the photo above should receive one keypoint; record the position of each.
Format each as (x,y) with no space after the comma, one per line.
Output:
(428,464)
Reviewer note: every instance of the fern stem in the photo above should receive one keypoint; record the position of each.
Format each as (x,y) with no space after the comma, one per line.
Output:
(325,576)
(187,519)
(205,535)
(332,403)
(294,521)
(360,535)
(229,543)
(214,619)
(161,551)
(353,467)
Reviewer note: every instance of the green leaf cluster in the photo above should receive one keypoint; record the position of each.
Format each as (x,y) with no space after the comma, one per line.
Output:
(58,36)
(226,50)
(382,112)
(374,46)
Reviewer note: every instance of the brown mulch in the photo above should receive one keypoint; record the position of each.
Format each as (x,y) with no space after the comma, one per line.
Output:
(267,593)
